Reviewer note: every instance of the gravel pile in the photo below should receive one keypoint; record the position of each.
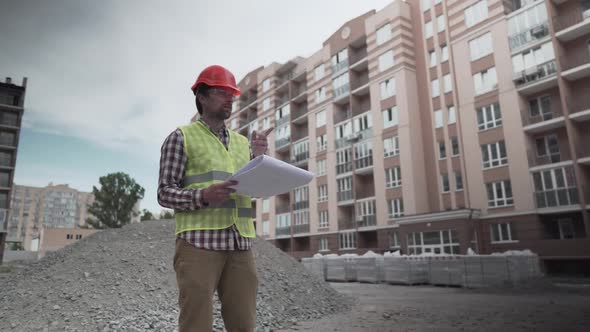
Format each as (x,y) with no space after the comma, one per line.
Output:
(123,280)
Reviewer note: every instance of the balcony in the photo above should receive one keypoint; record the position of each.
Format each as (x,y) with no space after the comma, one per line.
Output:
(8,141)
(551,119)
(360,85)
(282,143)
(298,115)
(583,153)
(536,79)
(579,107)
(301,205)
(340,66)
(345,223)
(9,119)
(9,100)
(536,160)
(283,120)
(572,26)
(283,231)
(283,100)
(300,158)
(299,92)
(366,221)
(341,92)
(358,58)
(344,168)
(343,142)
(363,163)
(524,38)
(303,228)
(557,198)
(6,161)
(576,65)
(345,196)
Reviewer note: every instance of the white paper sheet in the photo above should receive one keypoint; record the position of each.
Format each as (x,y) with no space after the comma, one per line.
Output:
(265,176)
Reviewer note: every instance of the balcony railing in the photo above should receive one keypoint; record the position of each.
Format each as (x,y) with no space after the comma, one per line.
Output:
(301,205)
(345,196)
(557,197)
(544,115)
(299,112)
(342,91)
(536,160)
(562,22)
(303,228)
(579,103)
(6,161)
(7,141)
(299,90)
(280,209)
(343,142)
(9,120)
(360,54)
(523,38)
(283,120)
(370,220)
(575,59)
(9,100)
(534,74)
(339,66)
(345,223)
(300,157)
(363,162)
(282,142)
(247,102)
(361,81)
(283,231)
(344,168)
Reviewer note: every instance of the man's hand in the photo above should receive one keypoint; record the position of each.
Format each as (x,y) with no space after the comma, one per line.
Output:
(258,142)
(218,193)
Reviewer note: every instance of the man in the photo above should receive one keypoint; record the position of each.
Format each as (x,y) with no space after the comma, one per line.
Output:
(214,227)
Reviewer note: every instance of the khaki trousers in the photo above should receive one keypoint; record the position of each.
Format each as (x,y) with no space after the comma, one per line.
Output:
(199,272)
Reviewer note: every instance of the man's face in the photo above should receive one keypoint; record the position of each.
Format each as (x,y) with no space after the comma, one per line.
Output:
(219,102)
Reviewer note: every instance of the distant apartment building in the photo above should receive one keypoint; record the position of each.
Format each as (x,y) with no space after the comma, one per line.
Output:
(434,126)
(12,100)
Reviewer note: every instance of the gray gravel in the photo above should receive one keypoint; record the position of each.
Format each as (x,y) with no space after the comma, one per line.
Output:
(123,280)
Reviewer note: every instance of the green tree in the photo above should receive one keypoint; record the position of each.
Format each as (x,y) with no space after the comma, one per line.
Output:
(167,214)
(113,203)
(146,215)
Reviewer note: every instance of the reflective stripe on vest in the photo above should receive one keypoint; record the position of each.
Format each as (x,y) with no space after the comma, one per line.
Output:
(205,177)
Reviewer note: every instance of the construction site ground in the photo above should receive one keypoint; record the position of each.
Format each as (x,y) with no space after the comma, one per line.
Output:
(550,305)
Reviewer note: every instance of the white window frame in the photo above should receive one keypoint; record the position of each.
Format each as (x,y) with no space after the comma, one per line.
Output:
(386,60)
(442,150)
(428,29)
(266,104)
(447,83)
(504,232)
(265,227)
(319,72)
(320,95)
(458,179)
(391,146)
(438,119)
(500,193)
(387,88)
(491,116)
(320,119)
(266,123)
(321,167)
(324,244)
(481,46)
(395,208)
(445,185)
(435,88)
(265,205)
(390,117)
(347,240)
(383,34)
(432,57)
(485,81)
(452,115)
(266,85)
(444,53)
(323,193)
(476,13)
(324,219)
(440,23)
(455,143)
(393,177)
(491,155)
(322,142)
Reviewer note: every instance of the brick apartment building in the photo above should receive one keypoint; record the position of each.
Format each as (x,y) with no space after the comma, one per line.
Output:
(434,126)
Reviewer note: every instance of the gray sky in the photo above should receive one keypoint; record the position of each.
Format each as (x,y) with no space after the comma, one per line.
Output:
(118,73)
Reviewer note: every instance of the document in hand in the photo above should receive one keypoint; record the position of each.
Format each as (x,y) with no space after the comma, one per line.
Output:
(266,176)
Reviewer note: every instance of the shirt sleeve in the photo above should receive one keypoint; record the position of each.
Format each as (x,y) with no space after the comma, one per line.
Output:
(172,163)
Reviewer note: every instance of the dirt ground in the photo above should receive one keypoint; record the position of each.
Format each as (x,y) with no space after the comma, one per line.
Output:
(382,307)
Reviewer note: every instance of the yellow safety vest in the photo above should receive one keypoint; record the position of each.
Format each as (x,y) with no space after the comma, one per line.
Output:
(209,162)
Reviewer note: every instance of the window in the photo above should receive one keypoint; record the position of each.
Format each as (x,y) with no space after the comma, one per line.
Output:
(283,132)
(339,60)
(266,123)
(425,5)
(458,181)
(566,228)
(320,94)
(265,227)
(323,193)
(480,46)
(555,187)
(300,151)
(437,242)
(440,22)
(69,236)
(319,72)
(344,130)
(541,107)
(529,60)
(390,117)
(265,205)
(428,29)
(322,142)
(432,55)
(445,183)
(323,219)
(499,194)
(393,240)
(324,244)
(347,240)
(489,117)
(527,26)
(393,177)
(442,151)
(265,85)
(455,146)
(344,185)
(444,53)
(266,104)
(485,81)
(391,146)
(387,88)
(383,34)
(282,112)
(438,119)
(340,85)
(321,167)
(252,126)
(447,83)
(501,232)
(435,88)
(386,60)
(494,154)
(363,154)
(548,146)
(234,123)
(283,220)
(320,119)
(395,208)
(452,115)
(476,13)
(363,122)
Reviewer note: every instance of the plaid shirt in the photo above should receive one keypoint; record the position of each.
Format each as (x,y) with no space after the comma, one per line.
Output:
(173,196)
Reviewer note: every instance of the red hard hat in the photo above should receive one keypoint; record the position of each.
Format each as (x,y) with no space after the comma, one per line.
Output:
(217,76)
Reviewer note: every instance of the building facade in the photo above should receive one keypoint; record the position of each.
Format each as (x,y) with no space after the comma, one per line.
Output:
(12,100)
(434,126)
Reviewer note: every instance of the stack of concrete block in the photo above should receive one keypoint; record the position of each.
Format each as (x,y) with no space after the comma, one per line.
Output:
(369,269)
(315,265)
(340,268)
(445,270)
(522,268)
(485,271)
(406,270)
